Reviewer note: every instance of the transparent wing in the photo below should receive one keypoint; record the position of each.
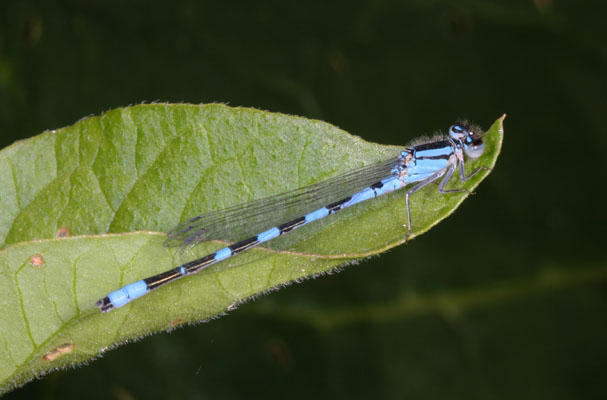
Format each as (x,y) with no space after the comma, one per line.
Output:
(245,220)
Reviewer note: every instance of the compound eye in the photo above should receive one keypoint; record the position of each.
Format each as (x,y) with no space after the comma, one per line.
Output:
(457,131)
(475,150)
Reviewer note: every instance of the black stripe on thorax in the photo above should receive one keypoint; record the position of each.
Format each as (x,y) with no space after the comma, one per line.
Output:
(440,157)
(439,145)
(432,145)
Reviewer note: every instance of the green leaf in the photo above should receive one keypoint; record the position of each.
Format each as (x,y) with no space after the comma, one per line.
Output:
(116,181)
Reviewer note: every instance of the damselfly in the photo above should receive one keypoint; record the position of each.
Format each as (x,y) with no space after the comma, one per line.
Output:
(264,220)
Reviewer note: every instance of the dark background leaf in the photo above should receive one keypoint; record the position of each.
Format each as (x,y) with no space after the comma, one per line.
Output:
(504,299)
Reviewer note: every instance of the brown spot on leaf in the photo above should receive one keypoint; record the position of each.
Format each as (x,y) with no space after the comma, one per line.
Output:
(59,351)
(63,232)
(37,260)
(176,322)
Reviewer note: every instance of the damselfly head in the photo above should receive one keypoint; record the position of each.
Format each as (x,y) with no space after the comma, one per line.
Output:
(471,136)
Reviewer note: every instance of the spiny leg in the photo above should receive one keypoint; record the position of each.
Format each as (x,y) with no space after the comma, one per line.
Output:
(462,172)
(443,183)
(462,177)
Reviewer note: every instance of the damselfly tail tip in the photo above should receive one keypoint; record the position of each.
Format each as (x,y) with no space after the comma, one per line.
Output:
(104,304)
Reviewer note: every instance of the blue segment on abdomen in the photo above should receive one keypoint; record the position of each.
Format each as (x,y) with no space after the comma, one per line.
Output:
(223,254)
(268,235)
(130,292)
(390,184)
(318,214)
(363,195)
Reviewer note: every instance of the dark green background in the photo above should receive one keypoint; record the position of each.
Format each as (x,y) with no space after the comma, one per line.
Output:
(511,288)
